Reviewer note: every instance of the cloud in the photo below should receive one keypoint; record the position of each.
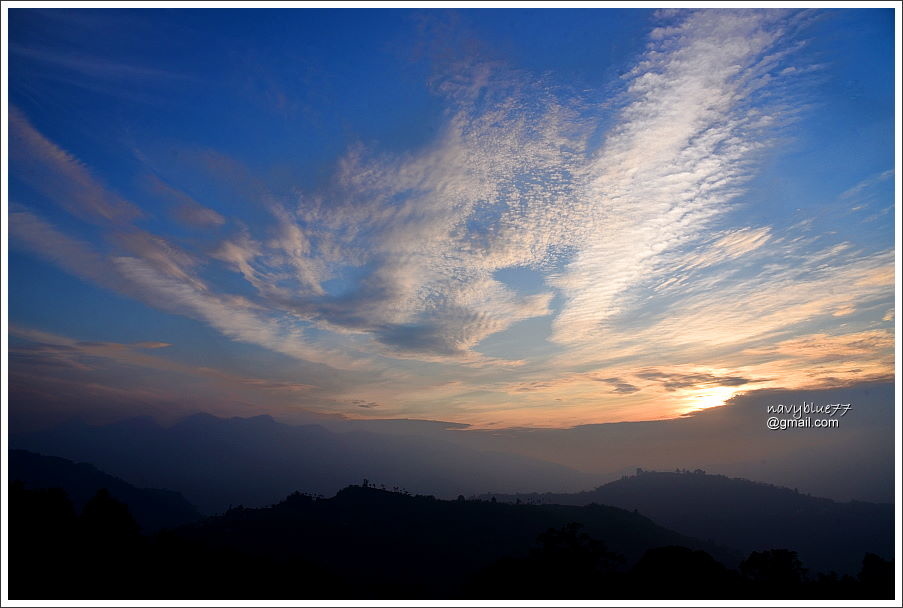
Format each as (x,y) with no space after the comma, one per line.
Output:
(822,348)
(730,246)
(160,279)
(39,349)
(510,182)
(93,67)
(230,316)
(73,255)
(866,184)
(185,209)
(620,386)
(673,381)
(151,345)
(682,149)
(60,176)
(163,255)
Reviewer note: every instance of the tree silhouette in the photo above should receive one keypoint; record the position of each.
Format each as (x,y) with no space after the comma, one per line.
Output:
(667,572)
(42,537)
(877,577)
(566,563)
(570,550)
(108,520)
(776,570)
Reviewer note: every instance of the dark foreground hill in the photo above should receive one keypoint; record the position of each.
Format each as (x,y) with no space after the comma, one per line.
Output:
(153,509)
(218,462)
(747,515)
(369,543)
(376,534)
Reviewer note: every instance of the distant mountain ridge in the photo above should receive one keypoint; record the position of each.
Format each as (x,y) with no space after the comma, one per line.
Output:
(153,509)
(217,462)
(746,515)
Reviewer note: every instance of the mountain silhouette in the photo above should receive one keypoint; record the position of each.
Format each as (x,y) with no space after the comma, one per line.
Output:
(218,462)
(372,535)
(746,515)
(153,509)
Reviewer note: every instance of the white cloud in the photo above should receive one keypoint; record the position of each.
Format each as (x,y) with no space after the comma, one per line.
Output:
(732,245)
(676,160)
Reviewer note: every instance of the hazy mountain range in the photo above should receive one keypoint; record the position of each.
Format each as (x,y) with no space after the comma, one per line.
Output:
(731,517)
(216,463)
(746,515)
(153,509)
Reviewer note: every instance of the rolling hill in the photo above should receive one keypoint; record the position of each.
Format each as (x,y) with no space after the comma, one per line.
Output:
(153,509)
(746,515)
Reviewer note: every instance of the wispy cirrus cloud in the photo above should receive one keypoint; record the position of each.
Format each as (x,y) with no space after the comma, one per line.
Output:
(235,317)
(185,209)
(686,142)
(732,245)
(865,184)
(61,177)
(45,348)
(93,67)
(161,276)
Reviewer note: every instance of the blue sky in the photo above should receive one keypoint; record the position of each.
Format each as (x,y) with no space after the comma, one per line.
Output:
(495,217)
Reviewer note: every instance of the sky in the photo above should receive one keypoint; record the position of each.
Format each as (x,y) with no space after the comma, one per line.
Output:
(503,218)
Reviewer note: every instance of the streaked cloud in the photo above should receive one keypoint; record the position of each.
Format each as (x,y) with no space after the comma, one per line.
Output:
(61,177)
(93,67)
(730,246)
(185,209)
(866,184)
(114,366)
